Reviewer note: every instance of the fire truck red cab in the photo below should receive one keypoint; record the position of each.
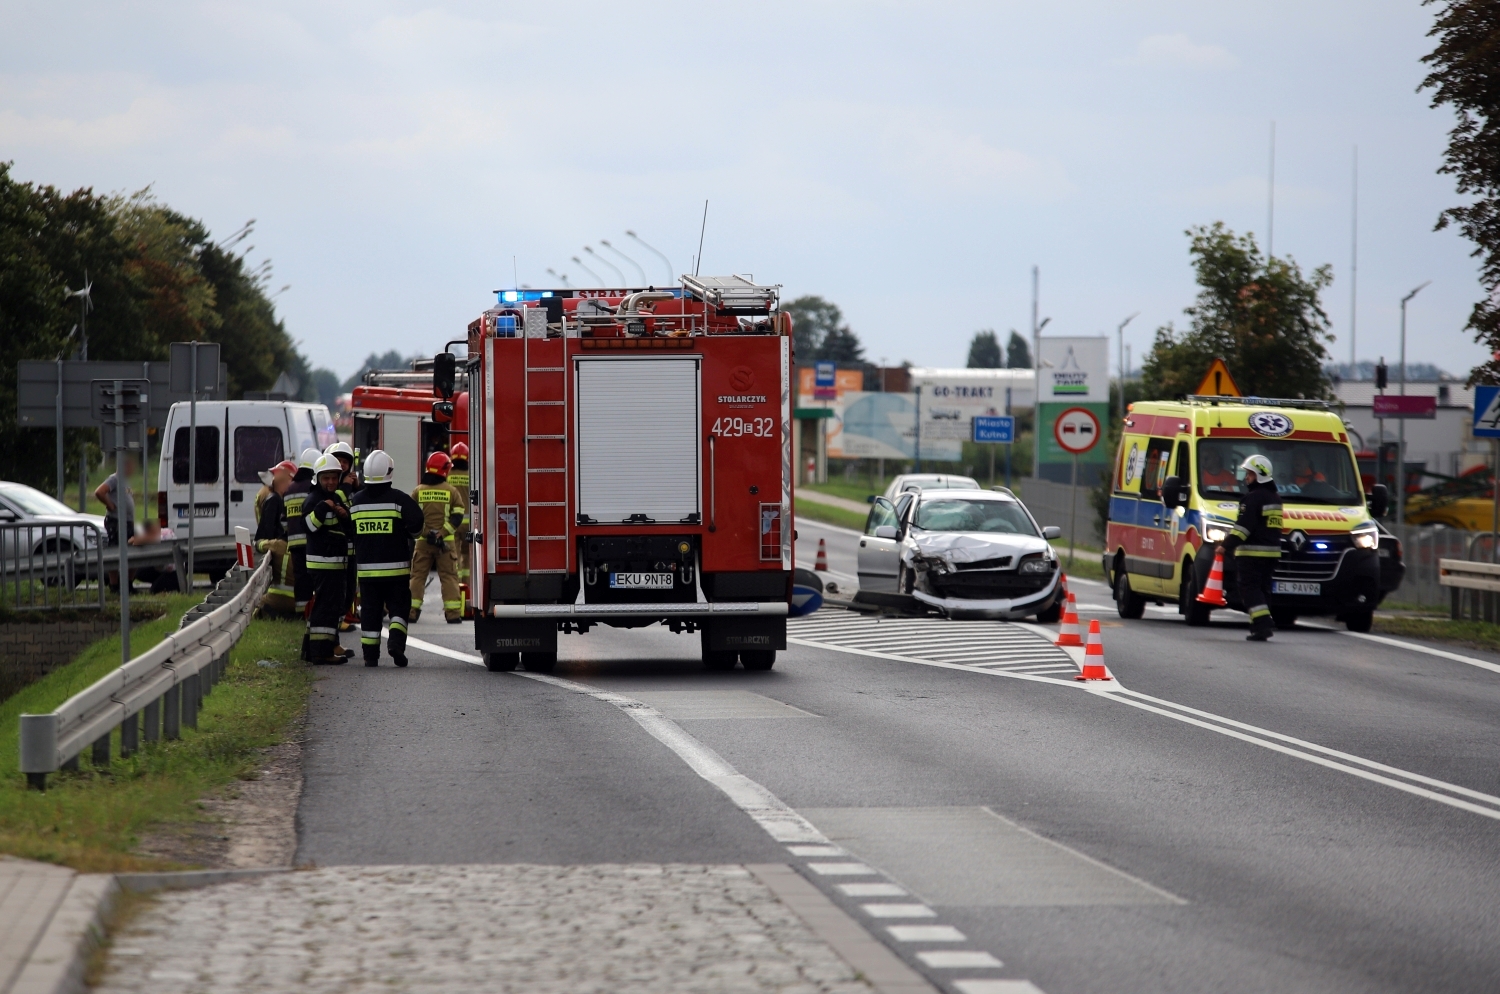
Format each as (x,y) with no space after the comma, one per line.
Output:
(399,420)
(631,451)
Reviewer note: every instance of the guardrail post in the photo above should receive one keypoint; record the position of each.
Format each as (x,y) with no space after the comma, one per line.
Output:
(71,765)
(130,740)
(100,754)
(190,701)
(38,748)
(151,718)
(171,728)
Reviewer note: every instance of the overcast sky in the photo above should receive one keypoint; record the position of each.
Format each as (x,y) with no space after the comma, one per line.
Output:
(909,161)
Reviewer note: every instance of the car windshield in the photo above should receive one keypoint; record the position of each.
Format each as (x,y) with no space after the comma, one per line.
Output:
(963,514)
(1311,472)
(33,501)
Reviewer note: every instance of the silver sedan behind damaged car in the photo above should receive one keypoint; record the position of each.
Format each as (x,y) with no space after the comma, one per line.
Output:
(968,553)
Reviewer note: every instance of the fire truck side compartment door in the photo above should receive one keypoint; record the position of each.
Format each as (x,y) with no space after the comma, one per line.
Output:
(638,438)
(399,439)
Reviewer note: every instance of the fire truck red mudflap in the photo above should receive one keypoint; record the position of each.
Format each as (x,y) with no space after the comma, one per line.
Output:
(633,462)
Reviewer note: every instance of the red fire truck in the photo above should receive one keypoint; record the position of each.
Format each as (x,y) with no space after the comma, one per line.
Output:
(392,410)
(631,452)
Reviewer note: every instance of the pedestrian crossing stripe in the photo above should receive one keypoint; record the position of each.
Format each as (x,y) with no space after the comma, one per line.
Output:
(978,645)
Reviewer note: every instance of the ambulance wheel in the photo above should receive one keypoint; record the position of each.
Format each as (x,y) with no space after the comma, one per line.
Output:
(1130,604)
(1284,617)
(1360,621)
(539,662)
(718,660)
(1195,614)
(501,662)
(758,659)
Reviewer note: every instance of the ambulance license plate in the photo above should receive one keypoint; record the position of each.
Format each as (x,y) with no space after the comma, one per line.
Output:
(640,581)
(1292,587)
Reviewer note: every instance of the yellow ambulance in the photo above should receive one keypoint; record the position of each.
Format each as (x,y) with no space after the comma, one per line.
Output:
(1176,492)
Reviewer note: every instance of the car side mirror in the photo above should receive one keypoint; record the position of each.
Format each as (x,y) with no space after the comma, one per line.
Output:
(1380,500)
(1173,493)
(1051,532)
(885,531)
(444,374)
(870,499)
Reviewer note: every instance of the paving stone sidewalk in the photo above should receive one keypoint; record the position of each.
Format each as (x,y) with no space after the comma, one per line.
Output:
(501,928)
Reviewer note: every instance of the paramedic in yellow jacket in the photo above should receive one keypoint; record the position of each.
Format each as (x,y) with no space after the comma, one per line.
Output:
(458,479)
(442,513)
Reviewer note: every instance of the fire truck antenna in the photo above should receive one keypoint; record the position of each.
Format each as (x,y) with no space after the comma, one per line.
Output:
(701,231)
(515,272)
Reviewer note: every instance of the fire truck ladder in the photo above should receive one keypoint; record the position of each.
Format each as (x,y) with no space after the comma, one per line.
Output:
(552,384)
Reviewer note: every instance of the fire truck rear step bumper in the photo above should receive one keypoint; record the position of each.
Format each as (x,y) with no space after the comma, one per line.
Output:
(600,612)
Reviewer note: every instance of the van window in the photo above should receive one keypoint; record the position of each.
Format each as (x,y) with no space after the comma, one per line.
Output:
(1183,470)
(1310,472)
(323,427)
(882,513)
(256,449)
(208,455)
(303,436)
(1154,469)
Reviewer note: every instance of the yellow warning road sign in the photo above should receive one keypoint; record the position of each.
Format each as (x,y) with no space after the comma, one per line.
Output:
(1217,382)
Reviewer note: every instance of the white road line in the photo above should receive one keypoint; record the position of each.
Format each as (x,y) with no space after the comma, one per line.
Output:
(840,869)
(805,851)
(898,911)
(958,959)
(996,987)
(872,890)
(926,933)
(1413,647)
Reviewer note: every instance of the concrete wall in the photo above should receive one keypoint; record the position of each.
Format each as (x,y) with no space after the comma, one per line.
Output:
(29,651)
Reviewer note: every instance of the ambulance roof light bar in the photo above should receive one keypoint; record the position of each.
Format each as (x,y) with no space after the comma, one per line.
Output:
(1212,399)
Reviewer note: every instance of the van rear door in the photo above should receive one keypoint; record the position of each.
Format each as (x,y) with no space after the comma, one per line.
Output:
(257,441)
(209,495)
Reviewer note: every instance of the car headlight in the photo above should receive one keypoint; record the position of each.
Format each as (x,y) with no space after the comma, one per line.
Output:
(1366,536)
(1035,564)
(1216,531)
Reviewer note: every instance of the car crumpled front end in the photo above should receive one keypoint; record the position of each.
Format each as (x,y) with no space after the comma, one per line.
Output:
(974,575)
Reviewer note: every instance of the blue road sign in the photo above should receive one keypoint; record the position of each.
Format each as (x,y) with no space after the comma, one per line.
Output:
(823,374)
(1000,428)
(1487,412)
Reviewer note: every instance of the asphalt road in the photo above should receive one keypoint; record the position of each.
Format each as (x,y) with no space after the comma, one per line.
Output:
(1313,814)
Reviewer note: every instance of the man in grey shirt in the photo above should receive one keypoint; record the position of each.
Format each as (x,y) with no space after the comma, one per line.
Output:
(111,495)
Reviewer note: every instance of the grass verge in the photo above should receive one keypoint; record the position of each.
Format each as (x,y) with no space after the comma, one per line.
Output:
(90,820)
(1472,634)
(1086,564)
(828,514)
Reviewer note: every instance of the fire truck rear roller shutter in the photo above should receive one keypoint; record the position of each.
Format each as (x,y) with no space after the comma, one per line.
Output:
(638,445)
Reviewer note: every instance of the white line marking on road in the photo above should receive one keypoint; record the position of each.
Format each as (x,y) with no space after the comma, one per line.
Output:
(872,890)
(439,650)
(1414,647)
(898,911)
(840,869)
(805,851)
(958,959)
(925,933)
(996,987)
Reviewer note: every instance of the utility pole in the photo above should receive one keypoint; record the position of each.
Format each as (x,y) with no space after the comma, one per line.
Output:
(1353,264)
(1036,363)
(1271,200)
(1121,332)
(1401,439)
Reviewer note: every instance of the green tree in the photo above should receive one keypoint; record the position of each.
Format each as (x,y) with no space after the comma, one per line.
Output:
(984,351)
(391,360)
(813,320)
(1262,316)
(1466,76)
(1017,352)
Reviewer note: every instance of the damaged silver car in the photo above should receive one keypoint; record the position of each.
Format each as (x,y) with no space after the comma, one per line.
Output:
(968,553)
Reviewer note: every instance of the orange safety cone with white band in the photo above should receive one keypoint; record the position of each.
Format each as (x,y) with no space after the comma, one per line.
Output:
(1068,633)
(1093,656)
(1213,593)
(822,562)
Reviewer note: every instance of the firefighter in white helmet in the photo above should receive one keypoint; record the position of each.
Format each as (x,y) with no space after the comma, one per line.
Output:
(324,514)
(387,521)
(292,525)
(1255,543)
(348,484)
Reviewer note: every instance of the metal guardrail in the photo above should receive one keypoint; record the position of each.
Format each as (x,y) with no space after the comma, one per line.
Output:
(43,565)
(1482,580)
(164,685)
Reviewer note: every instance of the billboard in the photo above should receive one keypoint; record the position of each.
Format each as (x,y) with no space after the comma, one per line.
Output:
(949,399)
(874,426)
(1075,369)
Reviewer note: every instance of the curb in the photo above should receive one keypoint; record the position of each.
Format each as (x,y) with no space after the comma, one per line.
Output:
(59,960)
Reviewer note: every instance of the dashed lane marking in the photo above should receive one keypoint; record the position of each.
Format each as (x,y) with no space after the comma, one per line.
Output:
(952,959)
(926,933)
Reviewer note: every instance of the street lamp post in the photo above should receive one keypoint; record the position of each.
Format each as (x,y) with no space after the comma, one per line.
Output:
(628,259)
(618,271)
(671,277)
(598,281)
(1401,437)
(1120,331)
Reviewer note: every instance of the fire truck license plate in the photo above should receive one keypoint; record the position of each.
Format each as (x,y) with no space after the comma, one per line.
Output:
(1290,587)
(640,581)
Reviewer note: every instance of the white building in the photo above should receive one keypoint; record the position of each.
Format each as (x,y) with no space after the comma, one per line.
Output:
(1444,444)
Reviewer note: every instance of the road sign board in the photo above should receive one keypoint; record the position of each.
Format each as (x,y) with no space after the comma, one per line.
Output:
(207,355)
(36,390)
(994,428)
(1411,406)
(1217,382)
(1076,430)
(825,381)
(1487,412)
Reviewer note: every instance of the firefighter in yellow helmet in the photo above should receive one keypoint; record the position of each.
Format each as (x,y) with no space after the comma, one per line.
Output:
(458,479)
(1255,544)
(442,513)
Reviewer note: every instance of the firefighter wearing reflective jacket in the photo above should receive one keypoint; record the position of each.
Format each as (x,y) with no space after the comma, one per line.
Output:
(270,540)
(292,525)
(324,514)
(348,483)
(458,479)
(1255,543)
(386,522)
(442,513)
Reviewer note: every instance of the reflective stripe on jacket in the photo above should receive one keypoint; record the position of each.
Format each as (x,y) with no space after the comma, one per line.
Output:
(1257,531)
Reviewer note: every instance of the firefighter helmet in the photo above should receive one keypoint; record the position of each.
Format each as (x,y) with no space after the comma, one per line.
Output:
(459,450)
(1259,465)
(327,464)
(378,467)
(439,464)
(309,458)
(285,466)
(340,449)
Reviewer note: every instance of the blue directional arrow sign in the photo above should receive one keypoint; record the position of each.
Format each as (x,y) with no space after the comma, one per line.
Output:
(994,428)
(1487,412)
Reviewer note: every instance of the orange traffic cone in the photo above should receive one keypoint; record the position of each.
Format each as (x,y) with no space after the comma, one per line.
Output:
(1093,656)
(1214,592)
(1068,633)
(822,563)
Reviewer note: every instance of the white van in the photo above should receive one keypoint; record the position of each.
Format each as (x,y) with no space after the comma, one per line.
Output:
(237,440)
